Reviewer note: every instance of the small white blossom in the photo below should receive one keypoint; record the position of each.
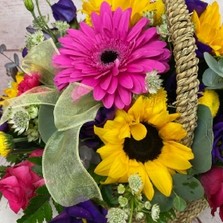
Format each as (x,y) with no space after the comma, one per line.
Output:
(147,205)
(19,119)
(153,82)
(139,216)
(135,183)
(123,201)
(121,189)
(34,39)
(155,212)
(150,16)
(163,28)
(33,111)
(62,27)
(117,215)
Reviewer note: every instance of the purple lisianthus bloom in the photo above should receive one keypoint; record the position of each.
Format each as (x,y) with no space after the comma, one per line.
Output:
(87,130)
(197,5)
(64,10)
(201,48)
(217,151)
(85,210)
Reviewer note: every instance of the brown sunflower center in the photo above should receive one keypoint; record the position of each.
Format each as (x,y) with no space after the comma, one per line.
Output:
(109,56)
(146,149)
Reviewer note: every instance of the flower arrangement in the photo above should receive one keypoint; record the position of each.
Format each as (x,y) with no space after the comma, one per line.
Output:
(89,123)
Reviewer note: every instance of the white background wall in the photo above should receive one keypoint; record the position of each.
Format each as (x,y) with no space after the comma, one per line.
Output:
(13,21)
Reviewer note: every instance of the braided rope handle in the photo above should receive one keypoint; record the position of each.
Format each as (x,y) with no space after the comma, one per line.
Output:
(181,33)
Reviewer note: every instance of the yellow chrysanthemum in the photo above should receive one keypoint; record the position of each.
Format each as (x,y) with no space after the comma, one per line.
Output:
(208,28)
(210,99)
(144,141)
(6,144)
(12,91)
(138,8)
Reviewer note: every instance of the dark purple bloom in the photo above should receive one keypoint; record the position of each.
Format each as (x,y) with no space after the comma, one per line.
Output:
(85,210)
(64,10)
(197,5)
(201,48)
(217,151)
(87,130)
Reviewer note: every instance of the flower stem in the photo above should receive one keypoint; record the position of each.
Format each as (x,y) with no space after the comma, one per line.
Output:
(131,210)
(16,140)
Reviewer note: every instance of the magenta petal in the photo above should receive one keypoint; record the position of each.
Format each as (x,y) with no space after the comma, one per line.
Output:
(108,100)
(125,80)
(125,96)
(98,93)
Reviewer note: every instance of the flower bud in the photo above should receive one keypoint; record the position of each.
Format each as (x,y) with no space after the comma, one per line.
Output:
(29,5)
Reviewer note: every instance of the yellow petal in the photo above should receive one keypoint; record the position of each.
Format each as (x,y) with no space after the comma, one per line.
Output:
(108,149)
(160,177)
(148,189)
(138,131)
(172,131)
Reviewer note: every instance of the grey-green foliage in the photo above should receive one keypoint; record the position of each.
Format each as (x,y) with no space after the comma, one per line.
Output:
(213,76)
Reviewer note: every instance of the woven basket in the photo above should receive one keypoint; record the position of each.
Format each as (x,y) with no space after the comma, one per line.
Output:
(181,33)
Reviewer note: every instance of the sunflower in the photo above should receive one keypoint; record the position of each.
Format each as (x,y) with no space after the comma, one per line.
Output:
(12,91)
(209,29)
(6,144)
(139,8)
(144,141)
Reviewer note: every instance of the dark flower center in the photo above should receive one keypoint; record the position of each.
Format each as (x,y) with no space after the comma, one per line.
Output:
(109,56)
(146,149)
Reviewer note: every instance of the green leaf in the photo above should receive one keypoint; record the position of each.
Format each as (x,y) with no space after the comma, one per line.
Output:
(215,65)
(165,203)
(58,207)
(187,187)
(62,165)
(35,160)
(39,208)
(179,203)
(212,80)
(203,141)
(108,195)
(46,122)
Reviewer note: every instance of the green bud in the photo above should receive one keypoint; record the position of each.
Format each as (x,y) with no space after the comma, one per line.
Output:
(29,5)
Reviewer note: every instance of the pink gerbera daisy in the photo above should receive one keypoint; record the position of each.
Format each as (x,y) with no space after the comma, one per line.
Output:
(111,56)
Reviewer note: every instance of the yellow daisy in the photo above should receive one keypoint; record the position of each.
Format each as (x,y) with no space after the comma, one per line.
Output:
(209,29)
(210,98)
(139,8)
(6,144)
(144,141)
(12,91)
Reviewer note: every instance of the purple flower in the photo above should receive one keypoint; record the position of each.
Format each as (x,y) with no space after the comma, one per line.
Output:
(197,5)
(64,10)
(201,48)
(87,130)
(85,210)
(217,151)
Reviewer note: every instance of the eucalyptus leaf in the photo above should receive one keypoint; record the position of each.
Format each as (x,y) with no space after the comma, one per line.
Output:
(16,59)
(46,122)
(187,187)
(212,80)
(2,48)
(67,180)
(179,203)
(165,203)
(203,141)
(214,64)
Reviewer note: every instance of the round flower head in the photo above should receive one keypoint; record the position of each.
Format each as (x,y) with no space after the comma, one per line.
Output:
(111,56)
(144,141)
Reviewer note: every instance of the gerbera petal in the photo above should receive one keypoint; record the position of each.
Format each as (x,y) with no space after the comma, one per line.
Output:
(160,177)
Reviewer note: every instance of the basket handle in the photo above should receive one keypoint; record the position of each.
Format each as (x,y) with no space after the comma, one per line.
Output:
(181,33)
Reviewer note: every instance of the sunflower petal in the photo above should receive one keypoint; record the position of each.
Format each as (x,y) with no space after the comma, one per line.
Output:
(138,131)
(160,176)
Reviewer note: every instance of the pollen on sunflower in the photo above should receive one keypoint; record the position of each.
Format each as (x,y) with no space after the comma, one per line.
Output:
(6,144)
(117,215)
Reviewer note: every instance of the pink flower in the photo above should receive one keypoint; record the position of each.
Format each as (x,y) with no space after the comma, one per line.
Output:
(29,82)
(111,56)
(212,182)
(19,184)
